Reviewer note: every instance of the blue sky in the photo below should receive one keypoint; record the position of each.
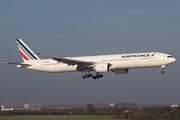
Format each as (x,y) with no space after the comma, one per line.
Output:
(69,28)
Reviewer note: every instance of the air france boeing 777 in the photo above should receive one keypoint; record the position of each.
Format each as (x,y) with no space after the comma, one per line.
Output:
(117,63)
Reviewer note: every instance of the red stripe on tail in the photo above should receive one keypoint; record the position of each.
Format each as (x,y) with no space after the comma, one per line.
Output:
(24,56)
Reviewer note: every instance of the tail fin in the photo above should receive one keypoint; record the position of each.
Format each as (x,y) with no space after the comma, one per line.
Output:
(26,52)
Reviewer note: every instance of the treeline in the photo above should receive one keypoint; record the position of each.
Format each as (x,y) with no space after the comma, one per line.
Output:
(80,111)
(165,112)
(45,111)
(90,110)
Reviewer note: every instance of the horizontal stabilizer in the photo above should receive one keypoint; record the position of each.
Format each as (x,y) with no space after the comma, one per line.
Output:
(18,63)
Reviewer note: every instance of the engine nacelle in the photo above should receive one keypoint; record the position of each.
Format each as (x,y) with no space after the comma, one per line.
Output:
(120,71)
(102,67)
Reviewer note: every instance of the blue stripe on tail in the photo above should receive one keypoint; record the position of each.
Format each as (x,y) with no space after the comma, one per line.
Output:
(26,49)
(25,52)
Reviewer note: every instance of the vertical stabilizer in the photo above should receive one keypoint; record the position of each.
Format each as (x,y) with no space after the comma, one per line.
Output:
(26,52)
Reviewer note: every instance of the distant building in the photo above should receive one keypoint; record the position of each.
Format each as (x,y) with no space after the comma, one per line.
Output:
(174,105)
(6,107)
(33,106)
(107,105)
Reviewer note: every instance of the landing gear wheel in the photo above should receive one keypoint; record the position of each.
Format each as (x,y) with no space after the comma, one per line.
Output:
(162,72)
(87,76)
(90,75)
(97,76)
(83,77)
(101,76)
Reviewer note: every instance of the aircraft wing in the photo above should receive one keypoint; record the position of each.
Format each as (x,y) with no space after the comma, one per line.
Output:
(18,63)
(69,61)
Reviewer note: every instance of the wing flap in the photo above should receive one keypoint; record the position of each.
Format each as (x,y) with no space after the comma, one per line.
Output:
(69,61)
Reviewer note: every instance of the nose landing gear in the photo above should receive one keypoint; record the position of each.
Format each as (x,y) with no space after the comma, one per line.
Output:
(162,69)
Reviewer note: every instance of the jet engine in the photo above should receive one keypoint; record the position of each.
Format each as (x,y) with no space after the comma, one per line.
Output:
(120,71)
(102,67)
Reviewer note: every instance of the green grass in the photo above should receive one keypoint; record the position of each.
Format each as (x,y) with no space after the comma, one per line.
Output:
(55,117)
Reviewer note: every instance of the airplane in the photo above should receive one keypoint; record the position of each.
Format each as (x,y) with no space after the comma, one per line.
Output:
(117,63)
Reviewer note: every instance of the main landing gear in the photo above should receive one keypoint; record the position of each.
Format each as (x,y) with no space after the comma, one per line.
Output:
(90,75)
(86,76)
(97,76)
(162,69)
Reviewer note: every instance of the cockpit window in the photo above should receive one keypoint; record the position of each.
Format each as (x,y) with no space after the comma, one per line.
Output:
(169,56)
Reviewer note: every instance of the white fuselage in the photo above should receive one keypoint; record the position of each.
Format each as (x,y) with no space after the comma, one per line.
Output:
(117,61)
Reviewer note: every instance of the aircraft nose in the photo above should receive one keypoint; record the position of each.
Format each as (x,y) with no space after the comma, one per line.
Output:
(174,59)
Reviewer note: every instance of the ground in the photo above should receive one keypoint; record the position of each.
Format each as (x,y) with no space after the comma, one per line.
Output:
(55,117)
